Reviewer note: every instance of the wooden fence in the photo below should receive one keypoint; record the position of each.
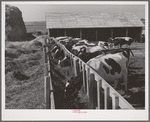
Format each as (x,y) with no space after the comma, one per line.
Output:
(91,81)
(48,87)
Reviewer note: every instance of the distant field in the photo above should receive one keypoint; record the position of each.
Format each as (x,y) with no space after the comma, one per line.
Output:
(32,26)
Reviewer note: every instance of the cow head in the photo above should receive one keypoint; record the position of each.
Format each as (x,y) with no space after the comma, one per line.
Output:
(83,49)
(82,54)
(110,40)
(72,86)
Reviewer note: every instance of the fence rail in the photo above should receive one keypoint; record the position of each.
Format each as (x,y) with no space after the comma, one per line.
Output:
(48,87)
(92,79)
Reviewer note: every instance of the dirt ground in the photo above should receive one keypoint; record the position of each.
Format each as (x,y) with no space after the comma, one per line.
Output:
(136,80)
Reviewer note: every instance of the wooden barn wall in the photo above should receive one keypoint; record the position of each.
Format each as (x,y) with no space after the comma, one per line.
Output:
(89,34)
(119,32)
(99,34)
(75,33)
(135,33)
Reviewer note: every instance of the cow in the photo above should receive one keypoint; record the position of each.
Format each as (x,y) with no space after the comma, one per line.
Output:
(90,47)
(85,52)
(112,67)
(90,44)
(121,41)
(68,43)
(60,38)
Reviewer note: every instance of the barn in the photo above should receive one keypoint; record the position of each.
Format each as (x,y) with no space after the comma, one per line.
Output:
(94,26)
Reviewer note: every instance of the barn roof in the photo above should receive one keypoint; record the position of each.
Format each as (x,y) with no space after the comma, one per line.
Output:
(92,20)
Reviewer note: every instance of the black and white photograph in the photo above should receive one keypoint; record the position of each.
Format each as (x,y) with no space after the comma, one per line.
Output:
(75,60)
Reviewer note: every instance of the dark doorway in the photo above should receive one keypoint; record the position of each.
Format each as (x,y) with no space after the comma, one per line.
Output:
(103,34)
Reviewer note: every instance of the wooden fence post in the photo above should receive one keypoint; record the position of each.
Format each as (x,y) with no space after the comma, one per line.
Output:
(45,57)
(77,66)
(84,80)
(91,91)
(45,41)
(115,101)
(45,53)
(48,40)
(71,62)
(45,75)
(87,80)
(52,101)
(45,88)
(106,96)
(74,67)
(80,65)
(99,94)
(47,92)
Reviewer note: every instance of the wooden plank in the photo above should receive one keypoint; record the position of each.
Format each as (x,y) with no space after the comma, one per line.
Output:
(45,57)
(45,41)
(74,67)
(126,32)
(91,91)
(81,33)
(96,35)
(49,33)
(46,69)
(52,100)
(48,43)
(115,101)
(123,104)
(45,88)
(44,48)
(112,35)
(77,66)
(47,92)
(84,80)
(65,32)
(141,35)
(70,57)
(99,94)
(87,79)
(80,65)
(106,96)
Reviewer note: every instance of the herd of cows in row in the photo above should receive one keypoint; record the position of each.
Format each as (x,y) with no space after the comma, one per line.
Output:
(109,59)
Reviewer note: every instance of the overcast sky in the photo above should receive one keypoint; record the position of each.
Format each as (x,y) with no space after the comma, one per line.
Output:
(36,12)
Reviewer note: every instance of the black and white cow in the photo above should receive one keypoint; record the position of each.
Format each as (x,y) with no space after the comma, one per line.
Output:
(86,51)
(112,67)
(121,41)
